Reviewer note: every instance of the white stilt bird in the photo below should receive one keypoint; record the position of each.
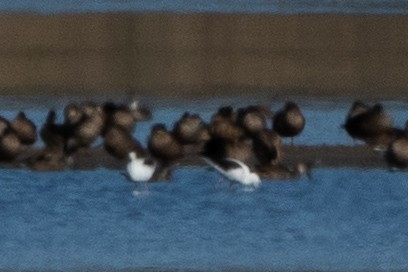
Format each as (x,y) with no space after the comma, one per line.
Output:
(140,169)
(235,171)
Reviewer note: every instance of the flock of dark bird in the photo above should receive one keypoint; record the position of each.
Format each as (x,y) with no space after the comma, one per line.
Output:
(249,135)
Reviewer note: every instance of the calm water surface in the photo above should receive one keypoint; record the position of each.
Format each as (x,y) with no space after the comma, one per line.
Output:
(341,219)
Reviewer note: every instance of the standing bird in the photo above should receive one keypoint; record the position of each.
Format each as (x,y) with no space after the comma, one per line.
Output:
(85,131)
(53,156)
(235,171)
(165,149)
(253,119)
(289,122)
(140,170)
(124,115)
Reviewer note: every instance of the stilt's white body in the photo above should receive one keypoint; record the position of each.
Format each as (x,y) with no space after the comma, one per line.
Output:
(241,174)
(138,170)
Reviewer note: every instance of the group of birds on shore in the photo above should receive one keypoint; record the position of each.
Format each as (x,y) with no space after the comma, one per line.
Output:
(83,124)
(245,138)
(244,144)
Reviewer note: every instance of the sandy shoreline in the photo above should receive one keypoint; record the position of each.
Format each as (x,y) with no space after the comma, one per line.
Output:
(319,156)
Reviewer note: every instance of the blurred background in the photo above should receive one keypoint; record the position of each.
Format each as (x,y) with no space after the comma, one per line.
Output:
(152,47)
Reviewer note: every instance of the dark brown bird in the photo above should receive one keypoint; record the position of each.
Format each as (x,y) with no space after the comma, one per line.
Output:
(84,132)
(357,108)
(373,125)
(190,129)
(53,155)
(118,142)
(253,119)
(289,122)
(125,116)
(223,125)
(267,147)
(24,128)
(163,146)
(118,115)
(54,135)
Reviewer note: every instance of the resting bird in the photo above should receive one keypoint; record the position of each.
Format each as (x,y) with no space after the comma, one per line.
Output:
(24,128)
(85,131)
(190,129)
(118,142)
(289,122)
(163,145)
(253,119)
(372,125)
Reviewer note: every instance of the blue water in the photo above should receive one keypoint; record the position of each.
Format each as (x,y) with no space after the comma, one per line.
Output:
(223,6)
(342,219)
